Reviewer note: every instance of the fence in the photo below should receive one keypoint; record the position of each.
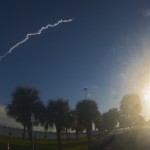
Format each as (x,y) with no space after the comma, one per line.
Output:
(14,132)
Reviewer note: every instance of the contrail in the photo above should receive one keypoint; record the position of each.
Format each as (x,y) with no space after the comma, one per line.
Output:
(33,34)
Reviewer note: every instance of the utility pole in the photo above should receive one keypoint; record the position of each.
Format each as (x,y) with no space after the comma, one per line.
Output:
(85,91)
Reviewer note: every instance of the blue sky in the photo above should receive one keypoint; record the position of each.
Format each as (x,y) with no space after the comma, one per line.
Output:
(105,48)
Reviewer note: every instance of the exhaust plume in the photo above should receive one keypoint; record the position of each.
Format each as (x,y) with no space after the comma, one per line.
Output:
(28,35)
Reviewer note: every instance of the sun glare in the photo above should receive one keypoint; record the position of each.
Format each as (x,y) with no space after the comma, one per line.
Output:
(146,102)
(147,93)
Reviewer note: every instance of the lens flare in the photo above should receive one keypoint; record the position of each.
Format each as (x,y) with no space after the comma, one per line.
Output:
(147,95)
(146,102)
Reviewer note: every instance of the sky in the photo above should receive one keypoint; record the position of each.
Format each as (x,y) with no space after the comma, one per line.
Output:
(106,48)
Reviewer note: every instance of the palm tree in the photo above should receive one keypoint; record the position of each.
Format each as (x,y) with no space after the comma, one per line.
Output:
(130,110)
(111,118)
(25,102)
(56,115)
(71,122)
(87,113)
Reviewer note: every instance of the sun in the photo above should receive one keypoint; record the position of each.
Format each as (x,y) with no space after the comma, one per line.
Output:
(146,102)
(147,93)
(147,96)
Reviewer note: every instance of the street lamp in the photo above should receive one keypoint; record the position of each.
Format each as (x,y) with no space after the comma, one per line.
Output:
(85,90)
(32,121)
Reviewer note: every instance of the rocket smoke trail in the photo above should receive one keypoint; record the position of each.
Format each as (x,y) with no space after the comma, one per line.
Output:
(33,34)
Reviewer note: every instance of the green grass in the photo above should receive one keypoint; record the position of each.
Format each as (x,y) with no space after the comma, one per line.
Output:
(19,144)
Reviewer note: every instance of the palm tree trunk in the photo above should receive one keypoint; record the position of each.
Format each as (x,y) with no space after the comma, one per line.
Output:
(67,133)
(89,142)
(77,134)
(29,128)
(89,139)
(59,140)
(24,132)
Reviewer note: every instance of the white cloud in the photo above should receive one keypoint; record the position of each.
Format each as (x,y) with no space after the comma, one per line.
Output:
(147,13)
(6,120)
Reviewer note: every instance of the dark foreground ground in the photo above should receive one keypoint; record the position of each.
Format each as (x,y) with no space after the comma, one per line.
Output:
(133,139)
(19,144)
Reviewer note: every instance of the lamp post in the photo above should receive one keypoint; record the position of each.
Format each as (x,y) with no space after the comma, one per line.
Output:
(32,121)
(85,90)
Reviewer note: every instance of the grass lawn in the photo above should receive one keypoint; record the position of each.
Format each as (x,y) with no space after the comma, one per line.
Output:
(19,144)
(134,139)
